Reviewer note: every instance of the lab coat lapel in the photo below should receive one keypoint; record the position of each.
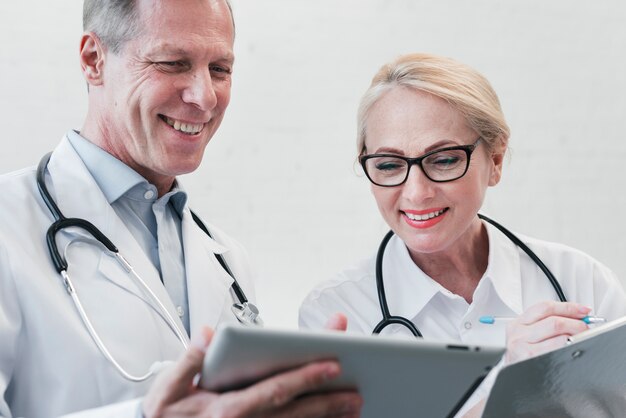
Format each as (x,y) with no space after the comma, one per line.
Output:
(78,196)
(208,284)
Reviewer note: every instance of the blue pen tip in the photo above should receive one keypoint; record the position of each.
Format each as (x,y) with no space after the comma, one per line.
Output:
(486,320)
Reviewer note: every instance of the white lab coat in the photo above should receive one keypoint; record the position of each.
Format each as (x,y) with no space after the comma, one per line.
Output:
(49,365)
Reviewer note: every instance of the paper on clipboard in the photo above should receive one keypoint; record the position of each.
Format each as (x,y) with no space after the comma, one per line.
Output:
(586,378)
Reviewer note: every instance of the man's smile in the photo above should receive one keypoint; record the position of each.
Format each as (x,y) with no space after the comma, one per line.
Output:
(184,127)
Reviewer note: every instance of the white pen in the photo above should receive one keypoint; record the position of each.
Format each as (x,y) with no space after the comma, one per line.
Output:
(488,319)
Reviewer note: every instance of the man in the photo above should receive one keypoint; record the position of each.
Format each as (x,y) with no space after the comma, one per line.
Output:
(159,78)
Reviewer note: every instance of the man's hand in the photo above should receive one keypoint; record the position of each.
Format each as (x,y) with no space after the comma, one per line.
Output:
(284,395)
(543,327)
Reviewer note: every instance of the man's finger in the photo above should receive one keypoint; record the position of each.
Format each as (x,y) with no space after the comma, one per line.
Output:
(175,383)
(327,405)
(279,390)
(190,364)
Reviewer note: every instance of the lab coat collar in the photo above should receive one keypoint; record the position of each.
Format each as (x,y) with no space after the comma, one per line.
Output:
(78,196)
(503,269)
(113,177)
(208,284)
(74,189)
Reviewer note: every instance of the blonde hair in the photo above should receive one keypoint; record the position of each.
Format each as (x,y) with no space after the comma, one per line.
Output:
(460,85)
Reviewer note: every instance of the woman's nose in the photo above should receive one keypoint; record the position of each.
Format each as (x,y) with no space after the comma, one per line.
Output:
(417,186)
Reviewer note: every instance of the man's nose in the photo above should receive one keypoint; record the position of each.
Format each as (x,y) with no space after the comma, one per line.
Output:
(200,90)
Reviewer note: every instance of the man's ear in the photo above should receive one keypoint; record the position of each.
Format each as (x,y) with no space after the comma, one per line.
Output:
(92,57)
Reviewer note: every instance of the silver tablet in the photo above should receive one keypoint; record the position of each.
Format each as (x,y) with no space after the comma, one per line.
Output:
(396,377)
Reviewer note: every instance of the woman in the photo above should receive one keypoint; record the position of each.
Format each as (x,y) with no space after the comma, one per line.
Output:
(431,140)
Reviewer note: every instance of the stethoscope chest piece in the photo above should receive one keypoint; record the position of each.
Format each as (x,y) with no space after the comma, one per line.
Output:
(247,313)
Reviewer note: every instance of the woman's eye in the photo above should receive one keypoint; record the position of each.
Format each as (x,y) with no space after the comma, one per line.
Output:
(445,161)
(388,166)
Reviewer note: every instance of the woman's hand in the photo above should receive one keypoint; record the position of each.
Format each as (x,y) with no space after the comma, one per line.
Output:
(543,327)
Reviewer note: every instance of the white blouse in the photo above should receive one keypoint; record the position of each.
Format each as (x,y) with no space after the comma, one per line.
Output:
(511,284)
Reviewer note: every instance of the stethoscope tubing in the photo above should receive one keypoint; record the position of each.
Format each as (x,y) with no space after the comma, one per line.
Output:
(389,319)
(553,281)
(244,311)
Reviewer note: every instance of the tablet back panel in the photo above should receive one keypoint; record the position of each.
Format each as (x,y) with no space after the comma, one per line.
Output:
(396,377)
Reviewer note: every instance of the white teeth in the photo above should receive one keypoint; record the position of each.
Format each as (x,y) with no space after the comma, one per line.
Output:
(425,216)
(188,128)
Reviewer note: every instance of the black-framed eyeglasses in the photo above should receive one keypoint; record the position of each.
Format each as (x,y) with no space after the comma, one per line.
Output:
(441,165)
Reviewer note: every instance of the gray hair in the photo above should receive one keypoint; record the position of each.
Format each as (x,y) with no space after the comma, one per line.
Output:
(116,21)
(464,88)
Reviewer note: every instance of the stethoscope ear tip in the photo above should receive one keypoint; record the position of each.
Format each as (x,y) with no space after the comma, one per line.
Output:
(247,313)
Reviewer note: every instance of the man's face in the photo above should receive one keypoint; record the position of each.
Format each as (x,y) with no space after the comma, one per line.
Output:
(166,91)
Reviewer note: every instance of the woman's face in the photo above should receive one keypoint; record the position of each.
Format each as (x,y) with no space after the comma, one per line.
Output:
(430,217)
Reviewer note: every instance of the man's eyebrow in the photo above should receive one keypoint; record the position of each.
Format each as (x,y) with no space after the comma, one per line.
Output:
(166,48)
(230,57)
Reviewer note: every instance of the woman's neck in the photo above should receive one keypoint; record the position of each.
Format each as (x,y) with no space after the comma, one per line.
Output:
(460,267)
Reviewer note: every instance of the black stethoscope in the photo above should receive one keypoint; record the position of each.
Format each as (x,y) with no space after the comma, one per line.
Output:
(246,312)
(389,319)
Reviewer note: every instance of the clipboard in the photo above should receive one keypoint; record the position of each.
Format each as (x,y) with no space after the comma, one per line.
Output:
(586,378)
(400,378)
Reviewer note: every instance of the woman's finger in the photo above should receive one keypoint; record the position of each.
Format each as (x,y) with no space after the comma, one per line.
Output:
(546,309)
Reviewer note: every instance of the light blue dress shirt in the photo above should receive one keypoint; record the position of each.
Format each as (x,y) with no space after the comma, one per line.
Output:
(154,222)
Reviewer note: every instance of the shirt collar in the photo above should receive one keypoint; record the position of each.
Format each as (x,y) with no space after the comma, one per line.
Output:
(177,197)
(113,177)
(503,269)
(413,289)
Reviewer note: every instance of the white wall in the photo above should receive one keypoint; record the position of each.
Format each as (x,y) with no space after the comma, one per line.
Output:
(279,175)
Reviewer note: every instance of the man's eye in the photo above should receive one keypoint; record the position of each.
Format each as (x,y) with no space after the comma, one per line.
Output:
(172,65)
(220,69)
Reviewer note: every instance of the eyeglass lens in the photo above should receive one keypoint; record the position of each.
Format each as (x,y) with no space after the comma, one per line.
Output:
(445,165)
